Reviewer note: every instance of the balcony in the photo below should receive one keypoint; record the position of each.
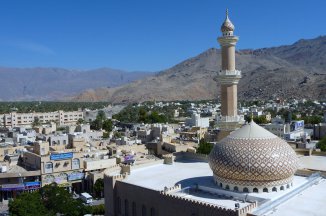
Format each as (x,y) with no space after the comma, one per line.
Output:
(229,73)
(238,118)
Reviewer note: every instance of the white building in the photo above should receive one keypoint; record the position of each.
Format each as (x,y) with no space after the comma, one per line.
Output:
(197,121)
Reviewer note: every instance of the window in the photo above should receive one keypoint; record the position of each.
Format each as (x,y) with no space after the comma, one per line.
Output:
(75,163)
(143,210)
(245,190)
(134,210)
(255,190)
(265,190)
(48,167)
(118,205)
(152,212)
(274,189)
(126,207)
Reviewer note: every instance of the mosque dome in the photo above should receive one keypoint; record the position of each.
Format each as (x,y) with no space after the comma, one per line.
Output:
(251,159)
(227,25)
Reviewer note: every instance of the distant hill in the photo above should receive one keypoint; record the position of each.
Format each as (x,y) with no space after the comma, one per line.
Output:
(57,83)
(292,71)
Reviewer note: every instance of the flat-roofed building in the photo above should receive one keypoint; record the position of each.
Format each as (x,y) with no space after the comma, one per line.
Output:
(15,119)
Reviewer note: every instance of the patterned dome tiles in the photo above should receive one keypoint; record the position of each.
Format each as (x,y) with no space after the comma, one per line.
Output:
(253,161)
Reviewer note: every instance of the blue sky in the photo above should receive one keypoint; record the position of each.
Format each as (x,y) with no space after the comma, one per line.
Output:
(146,35)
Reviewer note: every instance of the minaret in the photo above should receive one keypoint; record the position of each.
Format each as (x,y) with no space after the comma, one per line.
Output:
(228,78)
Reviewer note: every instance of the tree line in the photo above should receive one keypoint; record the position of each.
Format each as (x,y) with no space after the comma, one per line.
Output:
(48,106)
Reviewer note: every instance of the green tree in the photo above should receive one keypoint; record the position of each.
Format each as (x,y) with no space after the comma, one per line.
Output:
(97,124)
(36,122)
(107,125)
(117,134)
(106,135)
(99,188)
(312,119)
(322,144)
(80,121)
(257,119)
(101,115)
(204,147)
(28,204)
(59,200)
(98,209)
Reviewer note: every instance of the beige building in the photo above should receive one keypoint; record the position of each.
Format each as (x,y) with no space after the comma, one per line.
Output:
(15,119)
(64,168)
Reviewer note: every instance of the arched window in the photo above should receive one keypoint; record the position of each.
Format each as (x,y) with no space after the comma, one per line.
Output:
(287,186)
(143,210)
(255,190)
(75,163)
(48,179)
(118,205)
(236,188)
(126,207)
(152,211)
(245,190)
(134,210)
(282,188)
(274,189)
(265,190)
(221,185)
(227,187)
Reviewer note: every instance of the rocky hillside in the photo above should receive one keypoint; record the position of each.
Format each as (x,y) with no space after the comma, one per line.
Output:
(293,71)
(56,83)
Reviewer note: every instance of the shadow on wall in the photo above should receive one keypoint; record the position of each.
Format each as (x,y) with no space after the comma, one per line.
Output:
(202,180)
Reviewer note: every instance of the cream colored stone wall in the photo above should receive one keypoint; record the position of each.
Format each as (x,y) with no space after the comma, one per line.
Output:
(229,100)
(99,164)
(228,57)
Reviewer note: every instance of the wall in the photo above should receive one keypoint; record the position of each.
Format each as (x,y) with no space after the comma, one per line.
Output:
(152,201)
(99,164)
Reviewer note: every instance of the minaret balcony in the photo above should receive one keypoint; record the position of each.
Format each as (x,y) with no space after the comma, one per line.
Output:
(229,73)
(229,77)
(237,118)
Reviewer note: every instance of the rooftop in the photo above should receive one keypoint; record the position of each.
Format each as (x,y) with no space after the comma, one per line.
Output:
(309,202)
(313,162)
(189,173)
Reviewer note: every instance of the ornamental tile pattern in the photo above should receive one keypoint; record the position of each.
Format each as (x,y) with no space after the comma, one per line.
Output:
(254,183)
(253,161)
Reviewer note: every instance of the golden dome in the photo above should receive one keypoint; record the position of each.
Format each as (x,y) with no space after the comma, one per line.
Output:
(252,156)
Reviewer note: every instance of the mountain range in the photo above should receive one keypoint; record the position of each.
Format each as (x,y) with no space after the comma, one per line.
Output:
(290,71)
(18,84)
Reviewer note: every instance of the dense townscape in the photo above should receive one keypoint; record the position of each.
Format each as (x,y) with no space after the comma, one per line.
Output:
(163,158)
